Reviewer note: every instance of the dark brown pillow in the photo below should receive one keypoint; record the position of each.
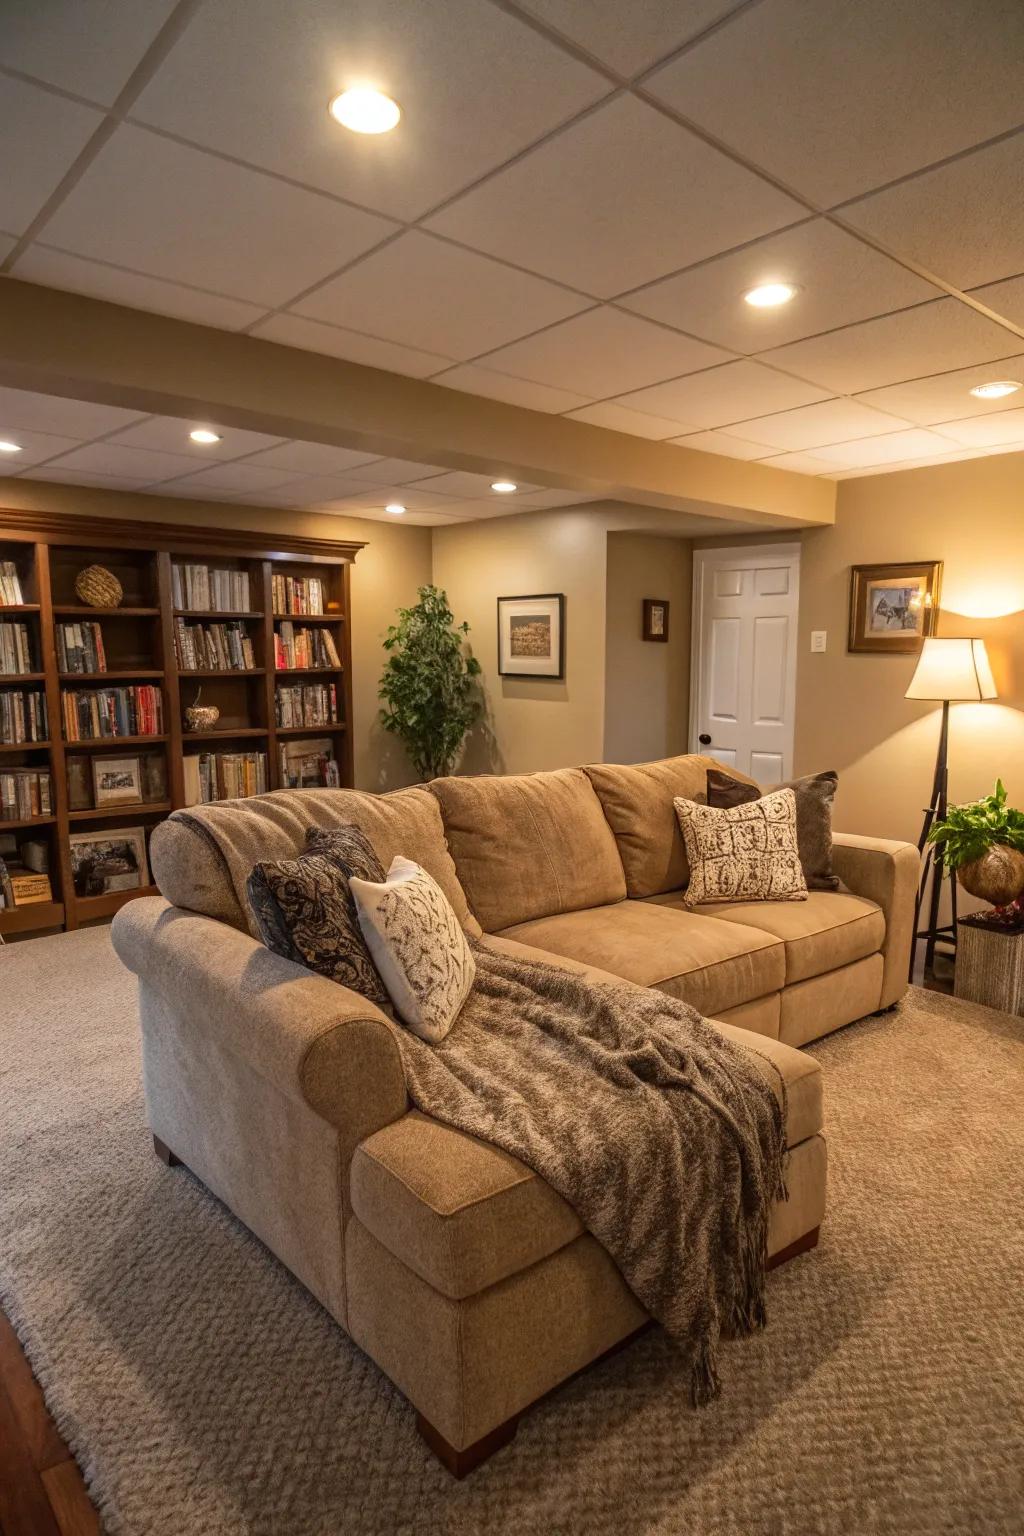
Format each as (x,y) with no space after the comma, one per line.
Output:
(814,796)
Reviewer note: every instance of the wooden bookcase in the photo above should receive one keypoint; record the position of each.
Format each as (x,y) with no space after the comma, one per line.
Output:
(49,550)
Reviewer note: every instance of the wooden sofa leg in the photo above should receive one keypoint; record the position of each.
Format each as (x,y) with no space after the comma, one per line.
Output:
(794,1250)
(460,1463)
(165,1154)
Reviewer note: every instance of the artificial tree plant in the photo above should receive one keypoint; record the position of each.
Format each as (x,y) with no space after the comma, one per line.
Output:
(429,688)
(984,843)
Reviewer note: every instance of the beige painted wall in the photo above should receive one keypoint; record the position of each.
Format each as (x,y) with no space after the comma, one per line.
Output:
(851,713)
(386,574)
(647,684)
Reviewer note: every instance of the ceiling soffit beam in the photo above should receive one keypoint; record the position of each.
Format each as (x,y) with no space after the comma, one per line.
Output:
(66,344)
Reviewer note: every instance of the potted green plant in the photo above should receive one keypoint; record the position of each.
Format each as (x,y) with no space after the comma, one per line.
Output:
(429,688)
(984,843)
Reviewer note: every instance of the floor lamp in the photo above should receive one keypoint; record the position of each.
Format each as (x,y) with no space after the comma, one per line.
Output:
(950,671)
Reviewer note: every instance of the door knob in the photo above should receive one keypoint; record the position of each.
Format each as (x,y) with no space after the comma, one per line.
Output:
(704,739)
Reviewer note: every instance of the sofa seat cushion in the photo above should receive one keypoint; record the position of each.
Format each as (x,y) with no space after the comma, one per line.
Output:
(828,930)
(712,965)
(460,1213)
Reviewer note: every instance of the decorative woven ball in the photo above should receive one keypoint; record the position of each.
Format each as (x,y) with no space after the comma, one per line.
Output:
(201,717)
(98,587)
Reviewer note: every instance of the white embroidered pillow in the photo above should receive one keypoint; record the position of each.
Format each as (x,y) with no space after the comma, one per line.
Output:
(745,853)
(417,945)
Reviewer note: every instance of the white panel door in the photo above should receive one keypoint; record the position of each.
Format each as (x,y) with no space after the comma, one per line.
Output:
(743,683)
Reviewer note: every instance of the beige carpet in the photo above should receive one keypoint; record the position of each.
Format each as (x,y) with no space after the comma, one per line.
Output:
(204,1392)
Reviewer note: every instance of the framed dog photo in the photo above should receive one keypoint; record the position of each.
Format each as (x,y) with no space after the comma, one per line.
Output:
(116,781)
(655,618)
(893,607)
(531,636)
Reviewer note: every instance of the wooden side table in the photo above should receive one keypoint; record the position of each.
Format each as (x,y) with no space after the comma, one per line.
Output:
(990,965)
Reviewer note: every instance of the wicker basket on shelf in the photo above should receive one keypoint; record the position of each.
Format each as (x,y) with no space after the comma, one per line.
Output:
(98,587)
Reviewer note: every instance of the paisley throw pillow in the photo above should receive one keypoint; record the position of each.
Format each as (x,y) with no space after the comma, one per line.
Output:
(746,853)
(352,848)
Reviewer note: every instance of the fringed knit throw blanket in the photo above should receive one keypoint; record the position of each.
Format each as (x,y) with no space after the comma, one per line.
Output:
(665,1137)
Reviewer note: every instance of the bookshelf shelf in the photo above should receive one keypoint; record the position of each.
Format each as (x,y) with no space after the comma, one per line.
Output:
(306,671)
(22,677)
(24,746)
(91,907)
(130,674)
(208,613)
(31,821)
(225,733)
(104,813)
(80,611)
(224,672)
(32,918)
(333,728)
(311,618)
(112,742)
(18,608)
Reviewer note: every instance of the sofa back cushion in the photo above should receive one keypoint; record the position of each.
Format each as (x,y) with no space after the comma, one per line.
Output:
(530,845)
(637,800)
(202,857)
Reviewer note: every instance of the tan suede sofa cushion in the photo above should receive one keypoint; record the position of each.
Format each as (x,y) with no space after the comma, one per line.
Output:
(827,931)
(637,802)
(714,966)
(202,856)
(529,845)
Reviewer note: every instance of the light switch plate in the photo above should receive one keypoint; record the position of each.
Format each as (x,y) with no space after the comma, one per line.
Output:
(819,638)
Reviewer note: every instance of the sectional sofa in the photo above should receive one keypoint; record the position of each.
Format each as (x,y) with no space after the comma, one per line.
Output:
(457,1269)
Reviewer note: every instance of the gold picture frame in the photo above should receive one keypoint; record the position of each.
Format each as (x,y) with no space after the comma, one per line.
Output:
(893,607)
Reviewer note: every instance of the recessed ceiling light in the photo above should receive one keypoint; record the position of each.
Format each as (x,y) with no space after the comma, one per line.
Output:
(395,507)
(770,295)
(997,389)
(504,487)
(204,435)
(6,447)
(365,111)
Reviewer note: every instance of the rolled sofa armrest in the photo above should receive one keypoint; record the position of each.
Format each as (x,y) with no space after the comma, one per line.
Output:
(886,873)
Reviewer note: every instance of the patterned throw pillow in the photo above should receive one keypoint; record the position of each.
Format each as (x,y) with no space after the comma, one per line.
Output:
(747,853)
(351,847)
(418,947)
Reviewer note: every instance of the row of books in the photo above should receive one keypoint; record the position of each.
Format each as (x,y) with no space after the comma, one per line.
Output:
(90,713)
(15,648)
(308,704)
(10,584)
(309,765)
(24,793)
(22,716)
(80,648)
(224,776)
(214,647)
(297,594)
(211,589)
(297,647)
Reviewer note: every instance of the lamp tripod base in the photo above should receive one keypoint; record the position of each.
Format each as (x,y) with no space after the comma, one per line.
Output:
(934,871)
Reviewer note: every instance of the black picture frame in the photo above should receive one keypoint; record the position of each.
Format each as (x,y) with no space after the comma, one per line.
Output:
(656,619)
(550,666)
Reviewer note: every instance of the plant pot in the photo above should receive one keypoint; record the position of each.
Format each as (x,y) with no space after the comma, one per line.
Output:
(997,877)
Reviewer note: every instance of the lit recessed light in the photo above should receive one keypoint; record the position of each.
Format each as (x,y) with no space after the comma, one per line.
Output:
(770,295)
(504,487)
(365,111)
(6,447)
(204,435)
(997,389)
(395,507)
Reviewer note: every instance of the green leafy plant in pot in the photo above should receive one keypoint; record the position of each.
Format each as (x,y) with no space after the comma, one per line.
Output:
(984,843)
(429,688)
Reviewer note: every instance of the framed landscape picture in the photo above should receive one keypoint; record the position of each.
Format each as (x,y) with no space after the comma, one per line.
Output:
(531,636)
(893,607)
(116,781)
(655,618)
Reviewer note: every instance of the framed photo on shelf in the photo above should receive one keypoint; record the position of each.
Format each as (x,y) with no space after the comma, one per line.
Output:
(531,636)
(893,607)
(655,618)
(116,781)
(115,860)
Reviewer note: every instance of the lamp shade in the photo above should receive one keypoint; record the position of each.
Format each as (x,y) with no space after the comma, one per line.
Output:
(952,669)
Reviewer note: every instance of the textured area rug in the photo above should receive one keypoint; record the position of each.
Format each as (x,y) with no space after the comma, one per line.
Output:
(203,1391)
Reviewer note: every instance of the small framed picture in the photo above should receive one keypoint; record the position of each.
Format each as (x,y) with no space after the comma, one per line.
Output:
(893,607)
(531,636)
(655,618)
(102,862)
(116,781)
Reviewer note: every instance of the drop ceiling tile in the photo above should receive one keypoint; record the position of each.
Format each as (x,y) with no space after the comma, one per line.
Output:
(1007,298)
(351,346)
(168,434)
(620,198)
(35,447)
(800,463)
(141,464)
(837,103)
(395,471)
(172,212)
(723,443)
(41,136)
(254,78)
(604,352)
(230,478)
(947,396)
(79,419)
(811,426)
(987,431)
(629,38)
(460,482)
(840,280)
(59,476)
(963,221)
(619,418)
(97,279)
(304,458)
(471,379)
(7,244)
(377,498)
(725,395)
(930,338)
(914,443)
(429,294)
(86,46)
